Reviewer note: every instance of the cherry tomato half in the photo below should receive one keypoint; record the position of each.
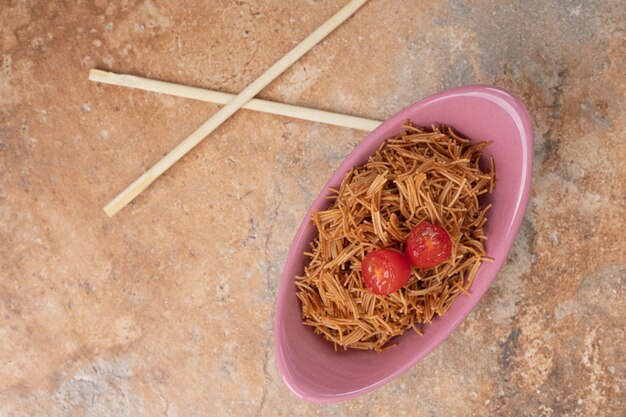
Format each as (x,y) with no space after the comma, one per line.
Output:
(427,245)
(385,271)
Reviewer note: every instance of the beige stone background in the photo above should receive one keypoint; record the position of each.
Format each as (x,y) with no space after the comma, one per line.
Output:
(167,308)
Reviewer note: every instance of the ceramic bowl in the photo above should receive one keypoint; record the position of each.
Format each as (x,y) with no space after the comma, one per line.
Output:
(308,363)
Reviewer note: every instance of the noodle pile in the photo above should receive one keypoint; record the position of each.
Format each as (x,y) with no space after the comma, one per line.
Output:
(419,175)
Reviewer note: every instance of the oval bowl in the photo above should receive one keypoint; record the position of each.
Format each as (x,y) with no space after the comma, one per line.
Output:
(308,363)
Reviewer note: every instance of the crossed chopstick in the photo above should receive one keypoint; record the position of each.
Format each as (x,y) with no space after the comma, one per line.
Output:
(232,104)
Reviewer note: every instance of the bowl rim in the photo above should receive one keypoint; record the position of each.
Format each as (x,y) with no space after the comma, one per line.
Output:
(517,111)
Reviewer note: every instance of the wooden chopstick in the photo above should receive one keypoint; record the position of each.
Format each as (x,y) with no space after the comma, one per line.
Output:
(144,181)
(218,97)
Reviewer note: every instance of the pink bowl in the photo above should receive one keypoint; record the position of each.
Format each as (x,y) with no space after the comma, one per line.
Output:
(308,364)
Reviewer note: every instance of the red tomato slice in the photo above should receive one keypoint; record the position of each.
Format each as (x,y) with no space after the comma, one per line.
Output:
(428,245)
(385,271)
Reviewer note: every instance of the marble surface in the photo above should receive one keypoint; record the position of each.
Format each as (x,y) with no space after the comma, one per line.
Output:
(167,308)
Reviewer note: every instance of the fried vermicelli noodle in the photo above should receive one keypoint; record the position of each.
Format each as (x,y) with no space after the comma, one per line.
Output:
(430,175)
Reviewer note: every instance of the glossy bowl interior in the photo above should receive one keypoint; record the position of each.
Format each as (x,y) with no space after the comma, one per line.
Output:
(308,364)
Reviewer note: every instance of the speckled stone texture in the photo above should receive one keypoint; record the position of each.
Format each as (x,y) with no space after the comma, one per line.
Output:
(167,308)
